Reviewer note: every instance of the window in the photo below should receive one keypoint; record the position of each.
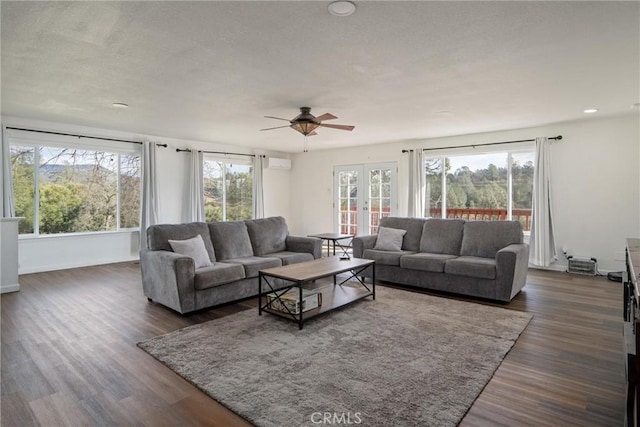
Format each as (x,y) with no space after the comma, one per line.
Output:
(491,186)
(74,189)
(228,190)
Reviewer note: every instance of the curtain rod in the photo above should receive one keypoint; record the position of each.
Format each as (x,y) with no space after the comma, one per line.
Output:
(557,138)
(216,152)
(82,136)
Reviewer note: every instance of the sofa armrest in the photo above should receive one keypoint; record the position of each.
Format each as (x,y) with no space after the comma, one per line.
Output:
(512,264)
(360,243)
(310,245)
(168,278)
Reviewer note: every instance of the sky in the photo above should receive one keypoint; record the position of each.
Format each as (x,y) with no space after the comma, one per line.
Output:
(481,161)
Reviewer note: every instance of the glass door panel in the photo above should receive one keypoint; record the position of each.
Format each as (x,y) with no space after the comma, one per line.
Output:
(364,194)
(379,203)
(348,181)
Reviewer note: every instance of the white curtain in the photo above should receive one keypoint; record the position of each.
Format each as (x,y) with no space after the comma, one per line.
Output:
(196,190)
(149,200)
(6,189)
(258,191)
(542,242)
(416,184)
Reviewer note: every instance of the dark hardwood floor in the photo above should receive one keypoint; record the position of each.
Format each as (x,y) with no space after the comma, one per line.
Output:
(69,355)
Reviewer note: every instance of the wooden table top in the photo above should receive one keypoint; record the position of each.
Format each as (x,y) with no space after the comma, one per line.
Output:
(316,269)
(331,236)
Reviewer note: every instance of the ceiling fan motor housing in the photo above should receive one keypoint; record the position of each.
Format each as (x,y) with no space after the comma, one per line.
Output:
(305,122)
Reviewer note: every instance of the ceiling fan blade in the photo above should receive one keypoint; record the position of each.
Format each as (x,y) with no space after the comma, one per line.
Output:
(277,118)
(277,127)
(326,116)
(341,127)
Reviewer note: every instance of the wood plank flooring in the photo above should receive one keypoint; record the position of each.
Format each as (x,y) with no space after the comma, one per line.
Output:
(69,355)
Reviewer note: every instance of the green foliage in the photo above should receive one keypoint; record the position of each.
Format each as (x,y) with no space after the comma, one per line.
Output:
(235,192)
(78,190)
(23,189)
(491,196)
(60,206)
(483,188)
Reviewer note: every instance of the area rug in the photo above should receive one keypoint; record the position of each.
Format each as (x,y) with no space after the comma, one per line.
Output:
(405,359)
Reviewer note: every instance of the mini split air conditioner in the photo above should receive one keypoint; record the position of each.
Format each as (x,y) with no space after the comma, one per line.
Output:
(275,163)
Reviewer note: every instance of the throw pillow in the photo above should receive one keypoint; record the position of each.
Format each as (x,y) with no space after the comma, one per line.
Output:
(193,248)
(389,239)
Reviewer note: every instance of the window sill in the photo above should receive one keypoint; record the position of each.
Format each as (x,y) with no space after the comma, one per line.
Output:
(77,235)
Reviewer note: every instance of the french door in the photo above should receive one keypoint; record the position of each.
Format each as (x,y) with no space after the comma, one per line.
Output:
(362,195)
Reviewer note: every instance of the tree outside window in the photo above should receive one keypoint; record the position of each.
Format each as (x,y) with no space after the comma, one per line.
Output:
(228,190)
(70,190)
(477,186)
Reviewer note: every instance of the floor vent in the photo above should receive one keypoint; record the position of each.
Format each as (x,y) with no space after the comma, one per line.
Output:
(586,266)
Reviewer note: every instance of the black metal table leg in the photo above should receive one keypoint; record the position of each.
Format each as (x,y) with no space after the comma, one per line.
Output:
(260,293)
(373,278)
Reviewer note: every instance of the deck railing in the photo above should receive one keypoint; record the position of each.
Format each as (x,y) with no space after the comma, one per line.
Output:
(471,214)
(349,219)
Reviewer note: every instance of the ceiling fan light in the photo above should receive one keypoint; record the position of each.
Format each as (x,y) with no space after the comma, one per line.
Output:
(305,127)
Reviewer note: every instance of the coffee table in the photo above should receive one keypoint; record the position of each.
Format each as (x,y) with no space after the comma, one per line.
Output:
(304,274)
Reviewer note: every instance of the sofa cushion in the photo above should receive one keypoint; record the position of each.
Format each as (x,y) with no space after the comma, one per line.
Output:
(385,257)
(230,240)
(267,234)
(485,238)
(425,261)
(253,264)
(389,239)
(411,241)
(158,236)
(470,266)
(291,257)
(218,274)
(442,236)
(193,248)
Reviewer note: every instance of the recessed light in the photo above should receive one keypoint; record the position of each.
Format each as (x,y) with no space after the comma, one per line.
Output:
(342,8)
(119,105)
(591,110)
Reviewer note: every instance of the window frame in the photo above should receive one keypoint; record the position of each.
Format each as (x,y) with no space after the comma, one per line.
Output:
(515,148)
(37,140)
(230,161)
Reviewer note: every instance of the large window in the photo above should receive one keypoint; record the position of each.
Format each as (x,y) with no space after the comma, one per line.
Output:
(71,189)
(228,190)
(491,186)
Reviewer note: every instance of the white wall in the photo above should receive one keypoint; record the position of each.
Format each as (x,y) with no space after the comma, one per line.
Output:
(595,190)
(58,252)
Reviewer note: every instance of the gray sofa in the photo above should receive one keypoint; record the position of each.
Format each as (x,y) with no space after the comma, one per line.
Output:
(486,259)
(237,251)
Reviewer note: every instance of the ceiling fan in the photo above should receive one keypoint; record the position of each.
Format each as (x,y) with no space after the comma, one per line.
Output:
(306,123)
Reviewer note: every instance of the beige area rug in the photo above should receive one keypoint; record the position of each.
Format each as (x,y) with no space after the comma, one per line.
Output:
(405,359)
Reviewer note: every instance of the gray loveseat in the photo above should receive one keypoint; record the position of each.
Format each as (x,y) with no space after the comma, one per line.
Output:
(237,251)
(486,259)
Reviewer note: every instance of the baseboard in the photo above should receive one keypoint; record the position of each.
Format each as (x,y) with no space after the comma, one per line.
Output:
(562,268)
(9,288)
(45,268)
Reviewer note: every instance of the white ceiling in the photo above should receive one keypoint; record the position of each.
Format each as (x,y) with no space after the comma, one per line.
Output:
(398,71)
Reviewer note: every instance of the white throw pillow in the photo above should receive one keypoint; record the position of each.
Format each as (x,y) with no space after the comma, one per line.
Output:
(389,239)
(193,248)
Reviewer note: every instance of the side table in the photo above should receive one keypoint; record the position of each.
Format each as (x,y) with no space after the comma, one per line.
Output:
(334,238)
